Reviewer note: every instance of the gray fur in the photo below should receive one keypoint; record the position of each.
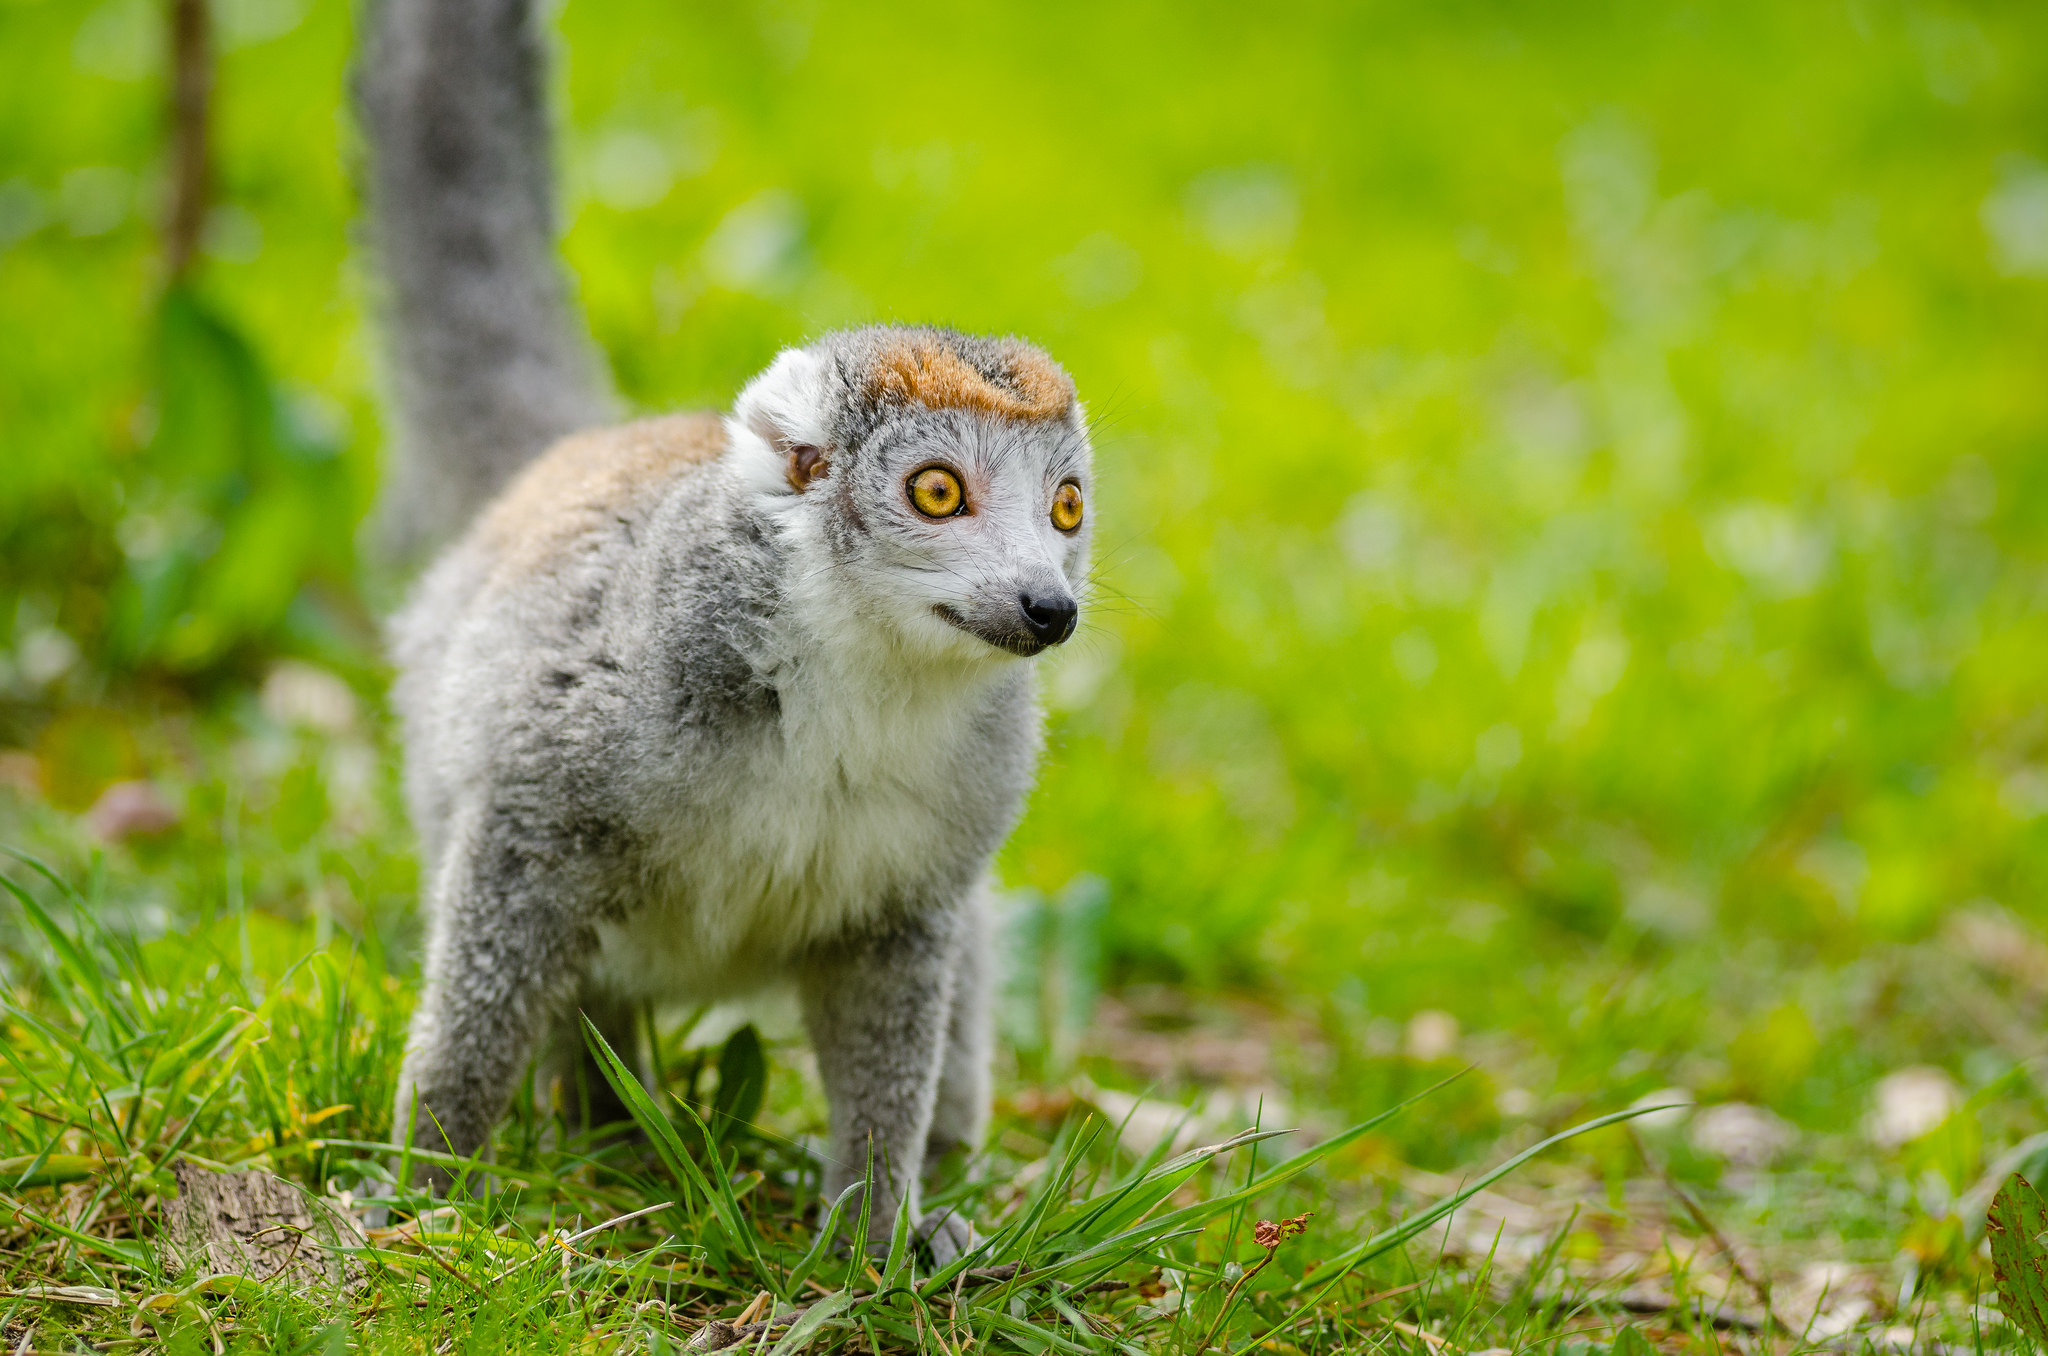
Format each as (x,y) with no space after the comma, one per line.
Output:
(678,725)
(730,732)
(485,353)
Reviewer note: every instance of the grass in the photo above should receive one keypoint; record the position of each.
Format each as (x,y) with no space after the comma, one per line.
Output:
(1572,606)
(253,1020)
(124,1054)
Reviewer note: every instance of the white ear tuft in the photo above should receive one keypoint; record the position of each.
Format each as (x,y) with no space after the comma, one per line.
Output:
(785,405)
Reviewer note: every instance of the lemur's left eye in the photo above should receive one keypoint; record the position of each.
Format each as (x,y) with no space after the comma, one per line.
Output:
(936,492)
(1066,507)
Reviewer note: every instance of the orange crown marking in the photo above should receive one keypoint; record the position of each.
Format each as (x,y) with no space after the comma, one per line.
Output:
(921,372)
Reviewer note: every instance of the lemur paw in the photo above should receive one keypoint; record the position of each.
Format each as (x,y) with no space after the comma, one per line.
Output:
(948,1234)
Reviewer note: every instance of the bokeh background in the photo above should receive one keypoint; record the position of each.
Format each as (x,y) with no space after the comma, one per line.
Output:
(1572,495)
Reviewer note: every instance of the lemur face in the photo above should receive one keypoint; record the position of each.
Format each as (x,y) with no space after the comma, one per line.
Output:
(981,523)
(948,480)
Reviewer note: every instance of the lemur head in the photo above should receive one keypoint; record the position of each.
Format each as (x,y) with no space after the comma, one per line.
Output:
(943,480)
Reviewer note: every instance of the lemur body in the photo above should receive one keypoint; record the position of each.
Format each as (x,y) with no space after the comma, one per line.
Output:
(698,705)
(777,775)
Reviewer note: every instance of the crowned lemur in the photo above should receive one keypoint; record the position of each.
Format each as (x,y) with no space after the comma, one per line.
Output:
(697,703)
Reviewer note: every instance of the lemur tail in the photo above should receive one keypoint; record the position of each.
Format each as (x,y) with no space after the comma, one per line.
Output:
(488,356)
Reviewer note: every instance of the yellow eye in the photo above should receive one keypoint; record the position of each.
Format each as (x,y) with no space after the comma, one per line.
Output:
(1066,507)
(936,492)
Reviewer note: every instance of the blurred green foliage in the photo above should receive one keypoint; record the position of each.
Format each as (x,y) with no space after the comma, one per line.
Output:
(230,509)
(1572,476)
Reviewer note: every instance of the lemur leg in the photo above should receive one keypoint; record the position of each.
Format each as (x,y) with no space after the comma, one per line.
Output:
(505,951)
(878,1008)
(961,1112)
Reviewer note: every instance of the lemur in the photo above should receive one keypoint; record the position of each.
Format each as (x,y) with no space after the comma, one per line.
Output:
(698,704)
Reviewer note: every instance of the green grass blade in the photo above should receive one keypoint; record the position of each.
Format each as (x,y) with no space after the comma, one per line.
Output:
(1031,1332)
(717,1188)
(73,961)
(44,1096)
(828,1229)
(191,1126)
(1393,1238)
(1104,1253)
(899,1242)
(857,1261)
(102,1071)
(48,1169)
(1022,1236)
(742,1081)
(1138,1199)
(120,1249)
(1079,1324)
(659,1131)
(169,1065)
(805,1330)
(1333,1271)
(45,870)
(1278,1175)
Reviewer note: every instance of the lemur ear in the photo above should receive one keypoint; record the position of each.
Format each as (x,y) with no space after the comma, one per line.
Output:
(807,463)
(785,408)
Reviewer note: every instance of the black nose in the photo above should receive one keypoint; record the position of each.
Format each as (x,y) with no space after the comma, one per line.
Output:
(1050,616)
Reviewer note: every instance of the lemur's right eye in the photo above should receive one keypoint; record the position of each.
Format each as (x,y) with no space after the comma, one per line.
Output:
(936,492)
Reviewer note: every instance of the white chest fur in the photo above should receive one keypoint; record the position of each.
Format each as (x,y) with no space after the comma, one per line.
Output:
(822,821)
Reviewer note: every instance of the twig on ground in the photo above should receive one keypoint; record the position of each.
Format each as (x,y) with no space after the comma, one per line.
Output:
(438,1260)
(567,1242)
(1269,1235)
(1100,1287)
(1698,1212)
(97,1296)
(1314,1316)
(1652,1307)
(1008,1271)
(1420,1334)
(615,1221)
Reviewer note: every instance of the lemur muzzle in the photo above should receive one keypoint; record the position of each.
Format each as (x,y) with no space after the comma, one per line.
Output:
(1049,615)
